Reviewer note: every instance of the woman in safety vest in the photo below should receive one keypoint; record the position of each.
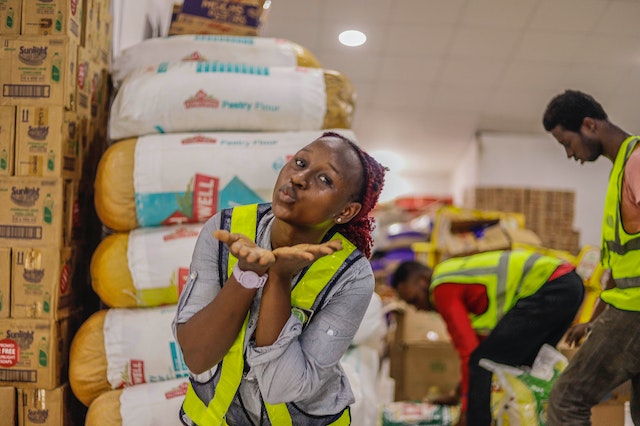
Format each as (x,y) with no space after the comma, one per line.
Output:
(610,355)
(500,305)
(276,293)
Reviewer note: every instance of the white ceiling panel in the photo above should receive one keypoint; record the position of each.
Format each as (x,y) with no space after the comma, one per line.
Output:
(435,72)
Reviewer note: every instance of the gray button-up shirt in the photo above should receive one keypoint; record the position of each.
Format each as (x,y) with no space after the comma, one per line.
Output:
(303,365)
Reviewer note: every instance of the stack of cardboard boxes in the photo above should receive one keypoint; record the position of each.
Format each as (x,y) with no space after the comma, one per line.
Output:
(53,112)
(550,214)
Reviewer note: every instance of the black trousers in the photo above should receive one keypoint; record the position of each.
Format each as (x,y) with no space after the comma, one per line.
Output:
(541,318)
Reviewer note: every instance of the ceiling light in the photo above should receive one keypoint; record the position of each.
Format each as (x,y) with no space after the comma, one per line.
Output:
(352,38)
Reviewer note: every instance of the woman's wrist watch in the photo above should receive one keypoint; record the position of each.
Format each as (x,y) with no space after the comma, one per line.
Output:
(249,279)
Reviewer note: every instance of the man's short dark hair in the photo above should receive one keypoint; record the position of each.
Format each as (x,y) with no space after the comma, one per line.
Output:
(405,270)
(569,110)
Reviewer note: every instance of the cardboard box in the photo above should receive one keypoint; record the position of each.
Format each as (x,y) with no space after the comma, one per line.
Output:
(414,326)
(47,142)
(38,70)
(7,139)
(610,413)
(53,18)
(46,407)
(10,17)
(422,369)
(8,405)
(219,17)
(422,358)
(83,82)
(5,282)
(98,31)
(35,212)
(41,284)
(34,353)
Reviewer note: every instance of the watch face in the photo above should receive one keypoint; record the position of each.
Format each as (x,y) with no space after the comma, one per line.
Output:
(250,279)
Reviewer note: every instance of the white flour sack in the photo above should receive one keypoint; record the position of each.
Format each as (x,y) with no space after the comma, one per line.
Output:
(145,267)
(207,48)
(214,96)
(116,348)
(149,404)
(187,177)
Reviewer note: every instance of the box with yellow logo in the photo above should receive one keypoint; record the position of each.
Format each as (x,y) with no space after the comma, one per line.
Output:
(38,70)
(47,142)
(41,282)
(34,211)
(5,281)
(10,17)
(34,352)
(53,18)
(7,138)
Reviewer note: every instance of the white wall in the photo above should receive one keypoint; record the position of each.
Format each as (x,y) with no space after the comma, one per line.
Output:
(466,174)
(538,161)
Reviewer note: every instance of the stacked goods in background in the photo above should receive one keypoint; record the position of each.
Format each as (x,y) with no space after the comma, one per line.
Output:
(549,213)
(460,231)
(244,17)
(53,115)
(199,123)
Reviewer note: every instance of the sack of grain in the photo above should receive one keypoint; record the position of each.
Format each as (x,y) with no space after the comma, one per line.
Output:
(116,348)
(185,177)
(214,96)
(145,267)
(150,404)
(235,49)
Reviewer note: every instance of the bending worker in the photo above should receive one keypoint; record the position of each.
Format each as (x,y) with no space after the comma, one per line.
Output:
(499,305)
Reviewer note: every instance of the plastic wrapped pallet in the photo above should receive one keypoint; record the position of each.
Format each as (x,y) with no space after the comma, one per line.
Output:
(116,348)
(145,267)
(215,96)
(150,404)
(235,49)
(177,178)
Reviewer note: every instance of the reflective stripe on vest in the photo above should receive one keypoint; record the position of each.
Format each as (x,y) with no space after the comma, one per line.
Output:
(243,222)
(304,295)
(620,250)
(507,275)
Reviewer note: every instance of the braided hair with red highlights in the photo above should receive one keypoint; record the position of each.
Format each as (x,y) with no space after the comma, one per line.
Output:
(359,229)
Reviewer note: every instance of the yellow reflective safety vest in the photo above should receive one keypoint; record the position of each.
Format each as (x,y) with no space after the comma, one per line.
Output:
(620,250)
(304,297)
(508,276)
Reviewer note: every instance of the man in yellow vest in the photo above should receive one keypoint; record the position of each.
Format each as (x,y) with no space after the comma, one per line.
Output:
(500,305)
(611,354)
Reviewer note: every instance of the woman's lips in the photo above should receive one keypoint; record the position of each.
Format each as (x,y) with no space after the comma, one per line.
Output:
(287,194)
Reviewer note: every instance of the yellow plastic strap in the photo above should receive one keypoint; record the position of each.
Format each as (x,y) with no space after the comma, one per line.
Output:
(243,221)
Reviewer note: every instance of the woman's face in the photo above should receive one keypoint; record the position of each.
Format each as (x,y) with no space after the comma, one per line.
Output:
(317,183)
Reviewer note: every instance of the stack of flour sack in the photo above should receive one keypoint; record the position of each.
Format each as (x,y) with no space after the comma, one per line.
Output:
(199,123)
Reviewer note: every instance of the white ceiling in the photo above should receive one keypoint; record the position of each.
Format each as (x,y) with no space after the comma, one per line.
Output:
(435,72)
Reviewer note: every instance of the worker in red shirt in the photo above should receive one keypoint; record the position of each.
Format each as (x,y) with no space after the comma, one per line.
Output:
(499,305)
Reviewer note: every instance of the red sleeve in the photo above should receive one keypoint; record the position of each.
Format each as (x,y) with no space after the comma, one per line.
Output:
(451,302)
